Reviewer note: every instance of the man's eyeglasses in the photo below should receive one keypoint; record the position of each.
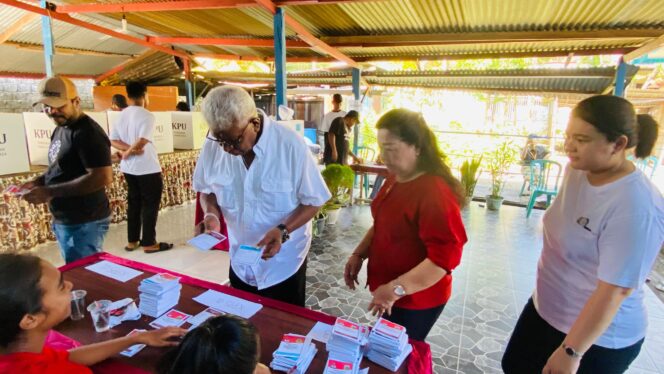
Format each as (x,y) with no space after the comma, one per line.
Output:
(50,109)
(229,143)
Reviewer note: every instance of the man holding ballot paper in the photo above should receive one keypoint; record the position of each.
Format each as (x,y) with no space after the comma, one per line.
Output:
(263,179)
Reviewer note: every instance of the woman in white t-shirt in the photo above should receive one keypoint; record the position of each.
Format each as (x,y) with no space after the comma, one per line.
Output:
(601,237)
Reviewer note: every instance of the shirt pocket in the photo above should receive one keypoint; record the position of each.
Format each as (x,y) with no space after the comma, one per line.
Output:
(277,196)
(226,194)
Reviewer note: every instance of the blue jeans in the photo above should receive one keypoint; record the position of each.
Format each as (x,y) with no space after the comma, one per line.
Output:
(81,240)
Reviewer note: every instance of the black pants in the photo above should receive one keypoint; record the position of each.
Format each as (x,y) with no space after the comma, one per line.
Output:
(418,322)
(144,196)
(534,340)
(290,291)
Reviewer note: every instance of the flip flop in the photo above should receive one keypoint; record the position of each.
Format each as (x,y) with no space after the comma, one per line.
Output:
(160,248)
(130,249)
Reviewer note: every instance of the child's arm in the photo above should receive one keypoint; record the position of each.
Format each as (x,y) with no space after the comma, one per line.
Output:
(89,355)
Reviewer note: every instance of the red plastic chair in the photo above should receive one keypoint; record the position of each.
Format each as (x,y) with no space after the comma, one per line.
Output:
(223,246)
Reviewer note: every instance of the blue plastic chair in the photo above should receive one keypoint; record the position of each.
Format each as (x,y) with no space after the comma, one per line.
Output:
(544,176)
(367,154)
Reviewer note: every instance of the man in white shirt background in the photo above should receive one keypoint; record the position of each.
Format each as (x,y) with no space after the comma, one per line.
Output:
(329,117)
(133,136)
(263,179)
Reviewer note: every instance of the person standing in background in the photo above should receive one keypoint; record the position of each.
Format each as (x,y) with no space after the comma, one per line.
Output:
(329,117)
(133,136)
(118,103)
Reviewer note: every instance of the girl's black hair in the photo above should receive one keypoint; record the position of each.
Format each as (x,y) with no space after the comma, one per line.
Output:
(412,129)
(614,116)
(120,101)
(20,293)
(221,345)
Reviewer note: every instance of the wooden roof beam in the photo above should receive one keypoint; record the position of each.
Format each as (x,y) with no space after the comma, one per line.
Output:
(153,7)
(67,51)
(264,59)
(485,37)
(17,26)
(648,47)
(86,25)
(268,43)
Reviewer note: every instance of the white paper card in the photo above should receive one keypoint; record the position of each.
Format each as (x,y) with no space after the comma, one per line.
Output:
(203,316)
(321,332)
(227,303)
(206,241)
(115,271)
(247,255)
(131,351)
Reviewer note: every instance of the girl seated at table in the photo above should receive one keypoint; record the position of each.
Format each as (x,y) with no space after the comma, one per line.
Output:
(220,345)
(34,299)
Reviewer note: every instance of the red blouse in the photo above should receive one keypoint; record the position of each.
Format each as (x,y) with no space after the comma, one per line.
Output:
(413,221)
(49,361)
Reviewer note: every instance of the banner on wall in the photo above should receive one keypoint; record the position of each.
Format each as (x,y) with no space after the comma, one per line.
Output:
(13,146)
(163,132)
(189,130)
(101,118)
(38,131)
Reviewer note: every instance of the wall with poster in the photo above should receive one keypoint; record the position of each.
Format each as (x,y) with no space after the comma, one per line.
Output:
(189,130)
(38,131)
(160,98)
(13,146)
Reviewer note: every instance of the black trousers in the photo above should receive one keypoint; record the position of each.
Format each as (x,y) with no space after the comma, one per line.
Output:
(418,322)
(534,340)
(144,197)
(290,291)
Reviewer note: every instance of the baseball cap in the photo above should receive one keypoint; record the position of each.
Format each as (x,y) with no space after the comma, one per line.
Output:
(56,91)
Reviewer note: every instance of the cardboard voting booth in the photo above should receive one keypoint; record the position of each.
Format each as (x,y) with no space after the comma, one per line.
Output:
(13,145)
(189,130)
(38,131)
(296,125)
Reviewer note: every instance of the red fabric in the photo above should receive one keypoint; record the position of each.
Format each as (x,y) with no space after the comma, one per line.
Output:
(49,361)
(420,361)
(223,246)
(414,221)
(61,342)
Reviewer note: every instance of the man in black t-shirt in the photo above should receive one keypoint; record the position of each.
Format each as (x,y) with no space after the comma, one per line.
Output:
(336,139)
(79,169)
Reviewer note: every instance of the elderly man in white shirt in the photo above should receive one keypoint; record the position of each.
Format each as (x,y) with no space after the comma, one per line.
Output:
(263,179)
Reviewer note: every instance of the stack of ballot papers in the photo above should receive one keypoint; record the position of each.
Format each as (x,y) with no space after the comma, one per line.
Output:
(294,354)
(341,366)
(158,294)
(346,345)
(388,344)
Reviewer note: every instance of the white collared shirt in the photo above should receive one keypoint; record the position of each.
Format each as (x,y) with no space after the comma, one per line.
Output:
(253,201)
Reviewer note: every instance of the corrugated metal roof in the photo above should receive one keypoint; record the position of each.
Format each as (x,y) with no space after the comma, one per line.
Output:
(28,61)
(151,67)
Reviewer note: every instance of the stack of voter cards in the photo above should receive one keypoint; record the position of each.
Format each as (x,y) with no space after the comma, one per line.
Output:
(388,344)
(158,294)
(294,354)
(346,345)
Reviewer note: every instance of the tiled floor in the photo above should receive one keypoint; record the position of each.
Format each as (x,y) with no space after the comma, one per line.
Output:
(495,279)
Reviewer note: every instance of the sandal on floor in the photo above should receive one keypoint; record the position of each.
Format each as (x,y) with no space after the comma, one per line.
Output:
(160,248)
(130,249)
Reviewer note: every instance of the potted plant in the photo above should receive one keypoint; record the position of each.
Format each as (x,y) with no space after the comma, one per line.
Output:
(470,173)
(339,180)
(499,160)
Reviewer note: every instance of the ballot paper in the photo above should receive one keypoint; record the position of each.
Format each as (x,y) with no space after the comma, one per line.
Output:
(114,271)
(206,241)
(294,354)
(131,351)
(321,332)
(16,190)
(228,304)
(171,318)
(203,316)
(247,255)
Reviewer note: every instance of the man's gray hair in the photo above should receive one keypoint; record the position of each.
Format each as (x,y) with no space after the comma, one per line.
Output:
(225,106)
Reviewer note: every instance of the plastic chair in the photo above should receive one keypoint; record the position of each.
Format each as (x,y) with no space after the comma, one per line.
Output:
(544,176)
(646,163)
(311,135)
(367,155)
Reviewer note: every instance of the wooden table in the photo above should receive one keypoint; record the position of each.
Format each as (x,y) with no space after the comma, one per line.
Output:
(362,170)
(272,321)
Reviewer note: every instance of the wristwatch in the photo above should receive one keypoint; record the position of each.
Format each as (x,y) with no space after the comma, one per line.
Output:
(284,233)
(399,290)
(571,352)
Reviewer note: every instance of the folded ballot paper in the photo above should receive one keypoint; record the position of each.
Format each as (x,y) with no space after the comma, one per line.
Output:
(388,344)
(158,294)
(347,343)
(294,354)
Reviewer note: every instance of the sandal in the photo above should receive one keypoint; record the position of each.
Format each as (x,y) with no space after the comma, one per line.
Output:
(128,247)
(159,248)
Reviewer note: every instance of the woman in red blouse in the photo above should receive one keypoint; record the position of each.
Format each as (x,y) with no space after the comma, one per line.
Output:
(417,236)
